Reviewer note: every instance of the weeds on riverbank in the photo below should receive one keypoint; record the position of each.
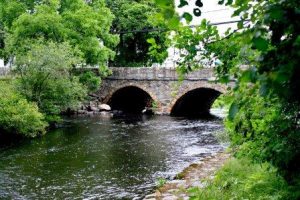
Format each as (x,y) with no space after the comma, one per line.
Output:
(241,179)
(160,182)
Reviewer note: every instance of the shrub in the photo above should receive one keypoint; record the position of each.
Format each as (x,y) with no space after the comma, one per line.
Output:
(45,78)
(263,129)
(17,115)
(90,80)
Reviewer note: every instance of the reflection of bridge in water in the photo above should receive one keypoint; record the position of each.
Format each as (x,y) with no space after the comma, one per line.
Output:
(133,89)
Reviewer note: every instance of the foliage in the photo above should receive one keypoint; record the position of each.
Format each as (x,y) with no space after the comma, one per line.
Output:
(17,115)
(160,182)
(44,78)
(223,101)
(90,80)
(262,55)
(85,25)
(133,49)
(264,130)
(154,104)
(240,179)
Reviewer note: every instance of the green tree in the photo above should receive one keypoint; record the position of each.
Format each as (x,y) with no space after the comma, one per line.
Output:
(85,25)
(44,77)
(133,49)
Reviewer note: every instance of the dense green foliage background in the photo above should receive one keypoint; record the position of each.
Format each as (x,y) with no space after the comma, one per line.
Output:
(17,115)
(85,26)
(133,49)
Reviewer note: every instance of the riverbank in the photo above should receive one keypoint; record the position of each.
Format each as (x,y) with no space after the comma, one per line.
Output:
(190,177)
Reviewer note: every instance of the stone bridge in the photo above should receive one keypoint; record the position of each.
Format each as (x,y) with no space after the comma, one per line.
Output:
(133,89)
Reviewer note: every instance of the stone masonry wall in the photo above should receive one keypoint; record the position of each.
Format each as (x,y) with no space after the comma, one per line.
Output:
(160,83)
(157,73)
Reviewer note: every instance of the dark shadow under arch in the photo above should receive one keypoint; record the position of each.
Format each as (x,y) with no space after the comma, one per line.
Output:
(130,99)
(195,103)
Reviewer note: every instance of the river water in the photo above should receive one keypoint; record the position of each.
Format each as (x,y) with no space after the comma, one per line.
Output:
(104,158)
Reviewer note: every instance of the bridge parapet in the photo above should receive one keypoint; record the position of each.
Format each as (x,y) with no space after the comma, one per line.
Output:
(158,73)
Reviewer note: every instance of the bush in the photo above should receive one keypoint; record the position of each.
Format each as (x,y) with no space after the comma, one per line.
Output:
(263,129)
(90,80)
(221,102)
(45,78)
(241,179)
(17,115)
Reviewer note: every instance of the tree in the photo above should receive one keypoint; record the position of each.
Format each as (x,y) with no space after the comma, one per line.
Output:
(84,25)
(133,49)
(45,78)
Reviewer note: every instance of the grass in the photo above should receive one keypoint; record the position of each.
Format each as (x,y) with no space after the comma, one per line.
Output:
(241,179)
(160,182)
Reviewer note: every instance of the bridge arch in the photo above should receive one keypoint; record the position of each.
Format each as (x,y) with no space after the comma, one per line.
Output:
(195,101)
(130,98)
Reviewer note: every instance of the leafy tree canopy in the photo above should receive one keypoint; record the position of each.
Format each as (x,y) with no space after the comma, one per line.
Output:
(85,25)
(133,49)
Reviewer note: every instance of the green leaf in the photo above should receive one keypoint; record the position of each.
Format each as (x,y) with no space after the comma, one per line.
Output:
(249,75)
(234,109)
(240,24)
(168,13)
(161,2)
(173,23)
(263,90)
(260,43)
(183,3)
(151,41)
(229,2)
(188,17)
(221,2)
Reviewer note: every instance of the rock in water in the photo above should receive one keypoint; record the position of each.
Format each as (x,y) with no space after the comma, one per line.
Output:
(148,111)
(104,107)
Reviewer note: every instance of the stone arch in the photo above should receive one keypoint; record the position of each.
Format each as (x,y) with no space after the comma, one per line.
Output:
(195,100)
(130,98)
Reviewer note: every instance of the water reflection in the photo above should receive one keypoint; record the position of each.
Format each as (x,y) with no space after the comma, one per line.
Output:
(104,158)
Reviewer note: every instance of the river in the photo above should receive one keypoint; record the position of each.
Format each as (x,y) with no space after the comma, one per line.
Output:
(104,158)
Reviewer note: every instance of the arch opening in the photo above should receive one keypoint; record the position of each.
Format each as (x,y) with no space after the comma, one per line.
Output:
(130,99)
(195,103)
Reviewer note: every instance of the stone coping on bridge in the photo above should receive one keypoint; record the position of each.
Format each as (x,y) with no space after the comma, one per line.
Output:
(158,73)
